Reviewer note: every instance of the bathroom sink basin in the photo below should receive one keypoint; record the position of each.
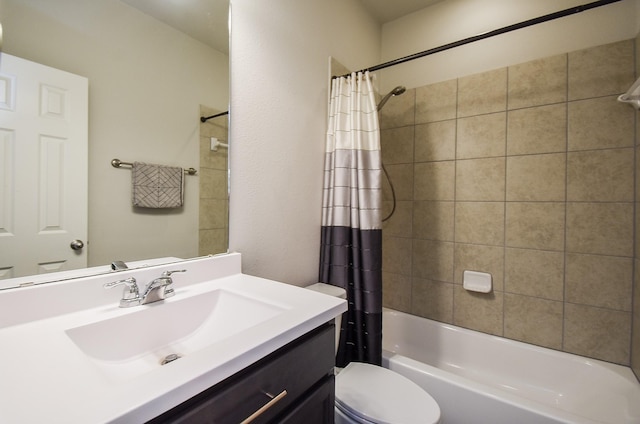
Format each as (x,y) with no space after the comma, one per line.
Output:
(151,336)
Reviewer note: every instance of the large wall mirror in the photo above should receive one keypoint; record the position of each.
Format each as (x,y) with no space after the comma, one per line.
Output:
(153,69)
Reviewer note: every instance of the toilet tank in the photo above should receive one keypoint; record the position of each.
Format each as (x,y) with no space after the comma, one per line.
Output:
(331,291)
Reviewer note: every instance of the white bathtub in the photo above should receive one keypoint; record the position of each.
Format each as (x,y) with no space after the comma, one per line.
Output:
(482,379)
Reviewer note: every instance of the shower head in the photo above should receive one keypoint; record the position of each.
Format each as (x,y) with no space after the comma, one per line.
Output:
(398,90)
(395,92)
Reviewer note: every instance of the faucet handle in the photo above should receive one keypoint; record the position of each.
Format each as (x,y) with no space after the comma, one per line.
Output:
(168,291)
(168,273)
(130,294)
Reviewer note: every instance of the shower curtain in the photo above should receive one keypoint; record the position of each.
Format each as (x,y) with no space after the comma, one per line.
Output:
(351,238)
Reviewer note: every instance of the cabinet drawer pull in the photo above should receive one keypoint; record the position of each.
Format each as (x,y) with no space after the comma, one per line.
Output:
(266,406)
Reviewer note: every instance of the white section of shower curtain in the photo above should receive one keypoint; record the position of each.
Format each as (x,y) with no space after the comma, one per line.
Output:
(353,116)
(352,195)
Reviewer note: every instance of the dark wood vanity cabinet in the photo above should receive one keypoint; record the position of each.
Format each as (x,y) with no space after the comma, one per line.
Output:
(296,380)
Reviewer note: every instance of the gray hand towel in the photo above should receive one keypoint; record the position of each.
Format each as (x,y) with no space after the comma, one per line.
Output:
(157,186)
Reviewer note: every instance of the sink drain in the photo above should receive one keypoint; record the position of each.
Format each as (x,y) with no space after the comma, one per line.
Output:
(169,358)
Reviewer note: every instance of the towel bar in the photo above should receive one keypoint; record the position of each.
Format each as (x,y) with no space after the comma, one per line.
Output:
(117,163)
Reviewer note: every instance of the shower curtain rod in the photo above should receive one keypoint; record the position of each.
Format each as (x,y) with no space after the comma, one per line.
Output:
(206,118)
(524,24)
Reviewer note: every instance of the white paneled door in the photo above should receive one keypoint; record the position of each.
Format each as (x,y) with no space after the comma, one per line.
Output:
(43,168)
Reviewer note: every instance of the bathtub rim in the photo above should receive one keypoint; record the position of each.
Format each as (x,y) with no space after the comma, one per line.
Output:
(497,395)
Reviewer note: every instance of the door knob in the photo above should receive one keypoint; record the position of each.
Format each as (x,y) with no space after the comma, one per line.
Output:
(77,245)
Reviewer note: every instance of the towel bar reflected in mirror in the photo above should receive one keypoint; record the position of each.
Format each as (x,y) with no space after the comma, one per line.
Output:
(117,163)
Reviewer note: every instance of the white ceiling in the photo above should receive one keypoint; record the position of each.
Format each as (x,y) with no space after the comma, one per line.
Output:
(207,20)
(389,10)
(204,20)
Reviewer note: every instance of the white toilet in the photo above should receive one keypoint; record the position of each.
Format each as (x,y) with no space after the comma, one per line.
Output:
(370,394)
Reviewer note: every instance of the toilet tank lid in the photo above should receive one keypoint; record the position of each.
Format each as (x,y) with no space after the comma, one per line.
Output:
(324,288)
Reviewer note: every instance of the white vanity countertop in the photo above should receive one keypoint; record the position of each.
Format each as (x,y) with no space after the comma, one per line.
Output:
(46,377)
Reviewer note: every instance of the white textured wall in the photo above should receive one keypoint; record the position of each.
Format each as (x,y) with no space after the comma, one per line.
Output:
(146,82)
(454,20)
(279,56)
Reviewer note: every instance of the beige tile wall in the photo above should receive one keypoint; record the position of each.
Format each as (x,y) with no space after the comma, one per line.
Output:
(214,199)
(527,173)
(635,336)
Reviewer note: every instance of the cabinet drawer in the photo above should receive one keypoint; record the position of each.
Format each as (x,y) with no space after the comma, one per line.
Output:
(294,368)
(317,407)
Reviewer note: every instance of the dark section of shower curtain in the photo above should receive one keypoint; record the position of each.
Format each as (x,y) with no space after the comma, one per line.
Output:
(352,259)
(351,234)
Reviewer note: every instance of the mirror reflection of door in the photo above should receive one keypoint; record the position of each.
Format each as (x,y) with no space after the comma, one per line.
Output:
(43,123)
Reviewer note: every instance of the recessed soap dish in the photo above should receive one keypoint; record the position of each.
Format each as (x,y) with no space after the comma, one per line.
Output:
(475,281)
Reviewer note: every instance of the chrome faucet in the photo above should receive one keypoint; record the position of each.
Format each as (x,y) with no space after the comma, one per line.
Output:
(156,290)
(118,266)
(160,288)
